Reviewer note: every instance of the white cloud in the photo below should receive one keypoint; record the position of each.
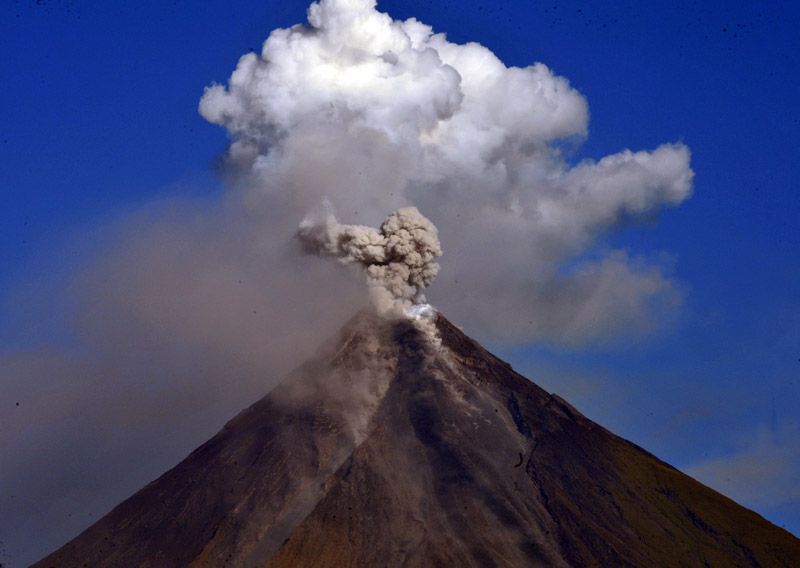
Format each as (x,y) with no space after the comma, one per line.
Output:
(373,114)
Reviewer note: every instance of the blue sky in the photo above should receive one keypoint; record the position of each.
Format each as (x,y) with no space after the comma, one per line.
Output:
(99,116)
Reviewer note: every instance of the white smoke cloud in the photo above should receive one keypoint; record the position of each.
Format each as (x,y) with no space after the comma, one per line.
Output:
(399,259)
(374,114)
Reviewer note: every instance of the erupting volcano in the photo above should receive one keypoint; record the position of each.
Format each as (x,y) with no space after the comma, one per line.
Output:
(400,442)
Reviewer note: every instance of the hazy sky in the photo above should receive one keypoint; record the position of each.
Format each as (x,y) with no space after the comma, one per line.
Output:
(102,136)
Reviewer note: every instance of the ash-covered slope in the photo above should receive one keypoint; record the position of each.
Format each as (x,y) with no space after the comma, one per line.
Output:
(392,449)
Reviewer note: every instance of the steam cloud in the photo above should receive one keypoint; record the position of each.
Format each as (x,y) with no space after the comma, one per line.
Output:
(398,258)
(374,114)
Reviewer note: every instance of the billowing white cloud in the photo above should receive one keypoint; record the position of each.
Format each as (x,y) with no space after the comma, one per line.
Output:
(373,114)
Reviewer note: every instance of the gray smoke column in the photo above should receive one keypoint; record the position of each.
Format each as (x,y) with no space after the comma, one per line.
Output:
(399,258)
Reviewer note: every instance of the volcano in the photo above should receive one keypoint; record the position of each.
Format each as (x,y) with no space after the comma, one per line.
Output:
(406,443)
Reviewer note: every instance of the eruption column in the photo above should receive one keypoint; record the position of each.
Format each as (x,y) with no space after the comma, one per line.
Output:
(398,259)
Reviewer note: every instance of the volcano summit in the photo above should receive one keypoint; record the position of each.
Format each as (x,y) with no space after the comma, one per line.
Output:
(405,443)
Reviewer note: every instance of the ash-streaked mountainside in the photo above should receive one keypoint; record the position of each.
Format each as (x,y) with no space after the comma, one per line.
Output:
(407,445)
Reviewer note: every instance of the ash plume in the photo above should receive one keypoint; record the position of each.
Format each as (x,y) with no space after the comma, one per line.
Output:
(398,259)
(373,114)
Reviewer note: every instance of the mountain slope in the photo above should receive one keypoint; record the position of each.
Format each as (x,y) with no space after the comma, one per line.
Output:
(398,448)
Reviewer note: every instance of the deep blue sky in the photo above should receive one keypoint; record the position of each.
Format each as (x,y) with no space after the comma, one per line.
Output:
(99,114)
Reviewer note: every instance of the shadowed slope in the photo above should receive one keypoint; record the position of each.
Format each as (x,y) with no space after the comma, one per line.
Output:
(391,450)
